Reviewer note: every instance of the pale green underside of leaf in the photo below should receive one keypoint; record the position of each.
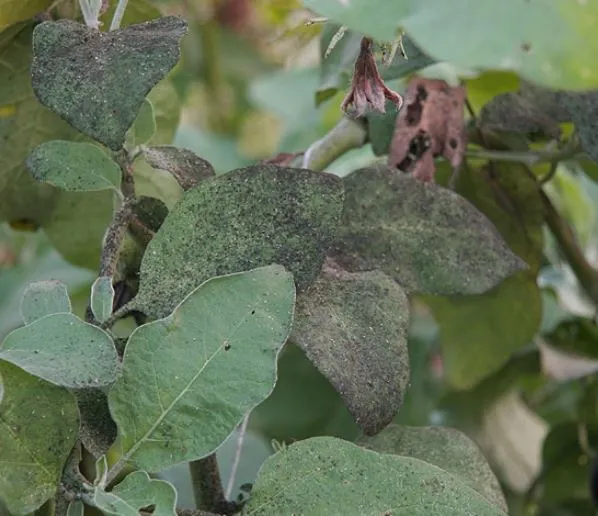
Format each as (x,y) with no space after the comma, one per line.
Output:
(44,298)
(324,475)
(190,378)
(64,350)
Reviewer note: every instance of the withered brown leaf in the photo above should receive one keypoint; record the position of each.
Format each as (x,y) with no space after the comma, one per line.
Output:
(430,124)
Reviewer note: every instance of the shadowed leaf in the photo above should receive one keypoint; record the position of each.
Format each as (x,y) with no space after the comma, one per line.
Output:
(353,327)
(44,298)
(12,11)
(447,448)
(324,475)
(64,350)
(172,402)
(135,492)
(97,81)
(426,237)
(38,429)
(74,166)
(144,127)
(243,219)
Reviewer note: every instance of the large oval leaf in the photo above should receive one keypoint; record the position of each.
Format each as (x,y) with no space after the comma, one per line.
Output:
(244,219)
(426,237)
(324,475)
(446,448)
(188,379)
(38,429)
(353,328)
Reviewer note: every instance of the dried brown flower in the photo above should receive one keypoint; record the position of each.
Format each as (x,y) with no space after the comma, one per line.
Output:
(368,90)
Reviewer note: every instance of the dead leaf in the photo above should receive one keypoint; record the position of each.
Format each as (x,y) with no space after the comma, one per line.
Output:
(431,124)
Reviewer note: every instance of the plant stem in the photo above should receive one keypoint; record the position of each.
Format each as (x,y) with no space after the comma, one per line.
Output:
(237,459)
(348,134)
(119,12)
(207,486)
(586,275)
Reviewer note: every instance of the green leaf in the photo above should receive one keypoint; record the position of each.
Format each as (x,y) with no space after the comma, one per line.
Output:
(144,127)
(447,448)
(38,429)
(324,475)
(12,11)
(244,219)
(97,81)
(102,298)
(583,108)
(135,492)
(186,166)
(353,327)
(190,378)
(75,509)
(97,431)
(74,166)
(426,237)
(473,334)
(44,298)
(64,350)
(509,35)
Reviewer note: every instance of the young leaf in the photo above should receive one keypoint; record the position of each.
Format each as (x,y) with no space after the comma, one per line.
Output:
(353,328)
(135,492)
(446,448)
(73,166)
(324,475)
(144,127)
(243,219)
(63,350)
(188,379)
(186,166)
(426,237)
(44,298)
(96,80)
(38,431)
(102,298)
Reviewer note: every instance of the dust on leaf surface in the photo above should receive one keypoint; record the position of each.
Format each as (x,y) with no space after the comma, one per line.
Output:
(74,166)
(447,448)
(189,379)
(97,81)
(63,350)
(353,328)
(135,492)
(325,475)
(243,219)
(424,236)
(38,429)
(44,298)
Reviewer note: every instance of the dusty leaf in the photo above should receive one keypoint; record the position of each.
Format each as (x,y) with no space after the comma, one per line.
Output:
(324,475)
(135,492)
(186,166)
(38,430)
(426,237)
(74,166)
(429,125)
(63,350)
(240,220)
(447,448)
(353,328)
(44,298)
(97,81)
(171,403)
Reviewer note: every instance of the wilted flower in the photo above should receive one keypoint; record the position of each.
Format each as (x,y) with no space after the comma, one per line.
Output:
(367,87)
